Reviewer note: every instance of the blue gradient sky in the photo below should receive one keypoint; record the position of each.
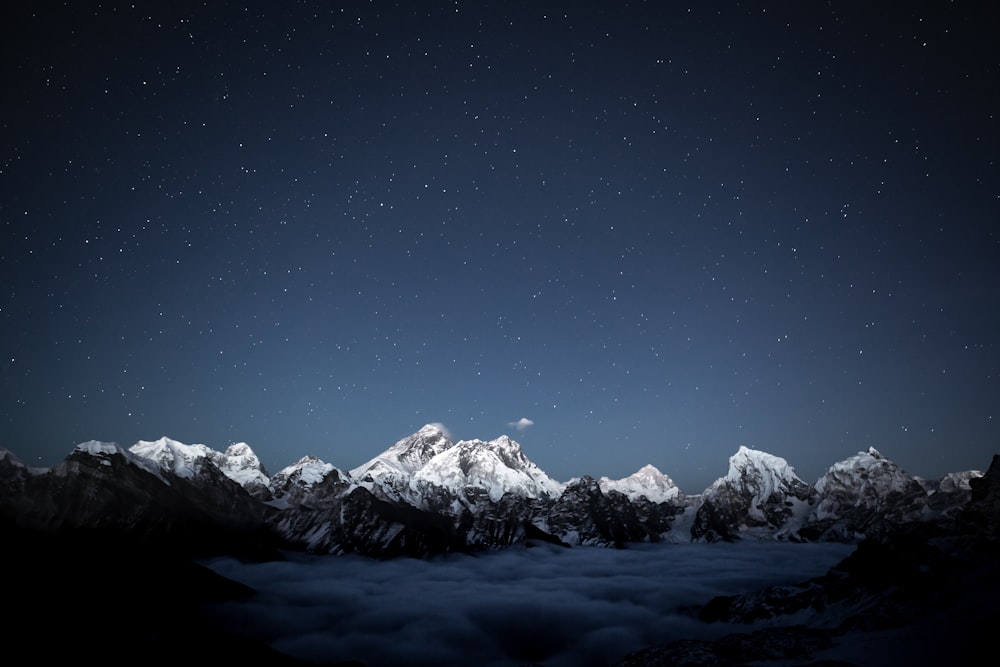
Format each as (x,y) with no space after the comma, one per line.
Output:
(658,232)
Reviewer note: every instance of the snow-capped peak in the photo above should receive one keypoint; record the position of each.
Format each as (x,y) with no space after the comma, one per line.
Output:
(773,471)
(497,467)
(646,482)
(307,471)
(173,456)
(99,448)
(240,464)
(863,471)
(407,455)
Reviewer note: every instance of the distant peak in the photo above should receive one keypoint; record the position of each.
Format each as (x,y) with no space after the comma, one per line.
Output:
(96,447)
(874,453)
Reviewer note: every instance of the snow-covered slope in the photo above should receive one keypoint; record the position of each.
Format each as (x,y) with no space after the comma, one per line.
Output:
(759,494)
(240,464)
(388,475)
(497,467)
(409,454)
(173,456)
(647,482)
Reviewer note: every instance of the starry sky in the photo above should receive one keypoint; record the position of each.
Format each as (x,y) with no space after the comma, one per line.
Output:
(622,232)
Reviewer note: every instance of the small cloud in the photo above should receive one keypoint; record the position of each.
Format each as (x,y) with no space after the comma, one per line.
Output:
(521,423)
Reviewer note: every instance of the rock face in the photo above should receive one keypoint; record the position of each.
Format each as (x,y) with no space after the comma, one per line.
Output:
(760,494)
(584,514)
(863,496)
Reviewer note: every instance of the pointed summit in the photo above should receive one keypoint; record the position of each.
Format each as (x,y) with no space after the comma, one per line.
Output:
(766,472)
(760,492)
(407,455)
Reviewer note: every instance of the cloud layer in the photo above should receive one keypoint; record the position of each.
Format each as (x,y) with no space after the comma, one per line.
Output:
(581,607)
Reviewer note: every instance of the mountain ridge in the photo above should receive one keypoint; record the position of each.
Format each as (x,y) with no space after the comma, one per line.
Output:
(426,493)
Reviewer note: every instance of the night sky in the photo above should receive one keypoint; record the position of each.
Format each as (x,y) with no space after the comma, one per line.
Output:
(656,231)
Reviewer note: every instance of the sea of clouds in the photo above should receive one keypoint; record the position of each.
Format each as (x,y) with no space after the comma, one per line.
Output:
(561,607)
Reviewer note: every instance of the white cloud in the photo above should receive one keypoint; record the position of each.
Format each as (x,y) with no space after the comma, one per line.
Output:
(521,423)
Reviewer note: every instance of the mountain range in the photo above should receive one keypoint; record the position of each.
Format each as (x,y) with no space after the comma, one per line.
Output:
(426,494)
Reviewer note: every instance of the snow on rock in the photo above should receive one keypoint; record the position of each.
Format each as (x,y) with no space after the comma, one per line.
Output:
(760,493)
(762,473)
(173,456)
(98,448)
(958,482)
(307,471)
(861,495)
(864,479)
(388,475)
(310,482)
(647,482)
(497,467)
(103,451)
(409,454)
(240,464)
